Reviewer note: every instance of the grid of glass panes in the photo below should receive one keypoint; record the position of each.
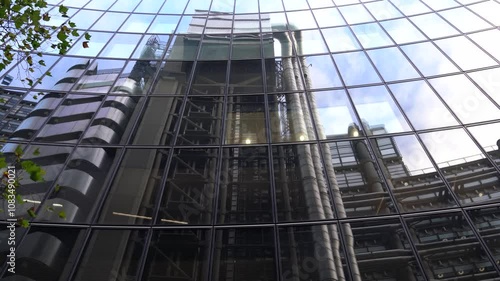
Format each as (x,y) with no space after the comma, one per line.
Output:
(264,140)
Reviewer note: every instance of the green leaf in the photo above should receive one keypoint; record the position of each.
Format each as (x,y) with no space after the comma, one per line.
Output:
(72,24)
(24,223)
(31,212)
(63,9)
(41,62)
(87,36)
(3,163)
(19,151)
(62,214)
(19,199)
(57,188)
(37,151)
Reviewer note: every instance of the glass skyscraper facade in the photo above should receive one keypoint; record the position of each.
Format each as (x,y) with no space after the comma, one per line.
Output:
(245,140)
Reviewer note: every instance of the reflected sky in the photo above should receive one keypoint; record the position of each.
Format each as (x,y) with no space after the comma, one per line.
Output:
(416,98)
(376,107)
(468,103)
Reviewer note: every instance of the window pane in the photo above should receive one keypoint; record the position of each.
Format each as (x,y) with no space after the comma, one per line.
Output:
(310,42)
(464,20)
(104,256)
(428,59)
(301,190)
(417,97)
(488,137)
(245,188)
(465,53)
(356,69)
(488,81)
(189,191)
(340,39)
(319,72)
(385,60)
(245,254)
(328,17)
(382,10)
(371,35)
(376,107)
(178,254)
(471,176)
(434,26)
(355,14)
(245,121)
(465,99)
(402,31)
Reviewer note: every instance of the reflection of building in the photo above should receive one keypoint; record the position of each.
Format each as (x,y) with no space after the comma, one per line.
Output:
(15,109)
(207,158)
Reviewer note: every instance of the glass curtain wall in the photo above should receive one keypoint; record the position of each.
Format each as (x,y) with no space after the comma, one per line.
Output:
(294,140)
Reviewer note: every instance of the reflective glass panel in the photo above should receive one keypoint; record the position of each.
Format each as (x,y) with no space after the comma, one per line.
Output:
(310,42)
(121,46)
(489,81)
(290,118)
(296,5)
(433,26)
(333,113)
(382,250)
(486,222)
(319,72)
(415,182)
(416,98)
(178,254)
(247,46)
(428,59)
(300,20)
(183,47)
(301,187)
(371,35)
(402,31)
(110,21)
(340,39)
(201,121)
(99,40)
(244,6)
(471,176)
(245,77)
(488,137)
(157,123)
(377,109)
(173,7)
(464,19)
(104,257)
(441,4)
(488,10)
(164,24)
(209,78)
(382,10)
(244,254)
(137,23)
(245,188)
(151,47)
(465,53)
(385,60)
(328,17)
(215,47)
(86,18)
(148,6)
(189,191)
(124,5)
(489,41)
(311,253)
(355,14)
(356,179)
(356,69)
(410,7)
(245,121)
(448,248)
(465,99)
(270,6)
(135,188)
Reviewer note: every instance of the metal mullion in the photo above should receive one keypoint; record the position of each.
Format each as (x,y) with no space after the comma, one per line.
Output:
(493,163)
(79,256)
(220,156)
(270,158)
(142,259)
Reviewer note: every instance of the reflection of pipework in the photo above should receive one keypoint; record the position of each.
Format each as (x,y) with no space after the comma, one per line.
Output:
(367,164)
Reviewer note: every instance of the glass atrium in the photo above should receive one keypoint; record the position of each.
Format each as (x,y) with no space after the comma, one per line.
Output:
(245,140)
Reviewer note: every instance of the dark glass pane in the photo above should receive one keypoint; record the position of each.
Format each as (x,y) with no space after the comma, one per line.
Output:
(471,176)
(486,221)
(290,118)
(244,192)
(173,78)
(79,186)
(178,255)
(449,249)
(380,250)
(157,123)
(245,77)
(111,254)
(209,78)
(414,180)
(201,121)
(357,185)
(134,190)
(301,186)
(245,120)
(312,253)
(47,254)
(244,254)
(189,191)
